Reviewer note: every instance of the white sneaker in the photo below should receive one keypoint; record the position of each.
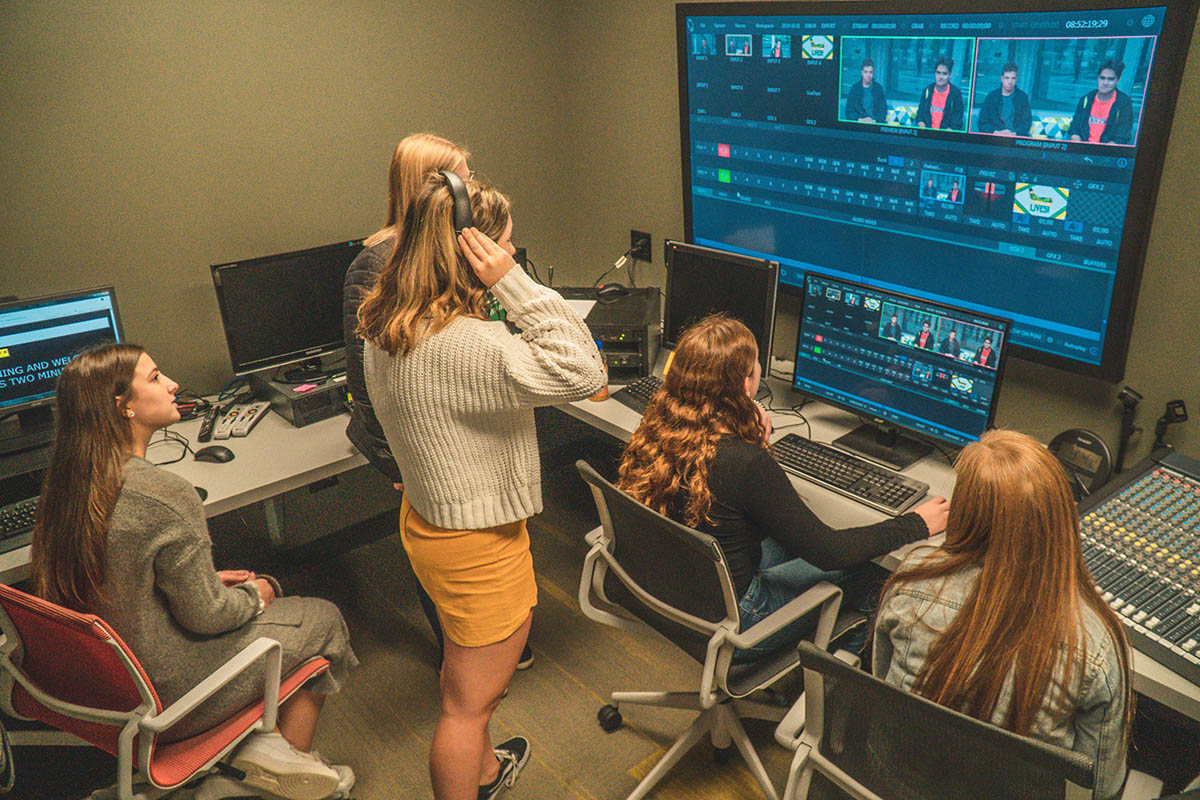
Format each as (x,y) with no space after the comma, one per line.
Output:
(271,763)
(345,778)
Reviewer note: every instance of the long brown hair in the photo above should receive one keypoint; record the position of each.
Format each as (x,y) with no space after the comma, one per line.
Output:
(1012,516)
(427,282)
(414,158)
(702,397)
(84,479)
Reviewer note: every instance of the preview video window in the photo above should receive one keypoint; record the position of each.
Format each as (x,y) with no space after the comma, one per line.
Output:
(961,341)
(739,44)
(704,44)
(775,46)
(1081,90)
(946,187)
(900,80)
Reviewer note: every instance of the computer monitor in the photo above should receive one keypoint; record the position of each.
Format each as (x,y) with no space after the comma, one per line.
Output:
(880,142)
(702,281)
(38,337)
(904,362)
(283,309)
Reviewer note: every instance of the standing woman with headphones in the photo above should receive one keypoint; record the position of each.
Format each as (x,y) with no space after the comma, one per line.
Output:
(455,394)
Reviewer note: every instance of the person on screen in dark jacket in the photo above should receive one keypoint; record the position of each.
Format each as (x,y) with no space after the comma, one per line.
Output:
(1104,115)
(865,101)
(1006,111)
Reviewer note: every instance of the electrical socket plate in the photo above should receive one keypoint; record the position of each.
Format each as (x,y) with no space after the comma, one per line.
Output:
(640,246)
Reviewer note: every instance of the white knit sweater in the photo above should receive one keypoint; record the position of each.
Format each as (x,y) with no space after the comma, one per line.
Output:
(458,409)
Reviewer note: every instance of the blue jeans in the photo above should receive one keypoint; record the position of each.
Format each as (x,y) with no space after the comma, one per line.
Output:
(781,579)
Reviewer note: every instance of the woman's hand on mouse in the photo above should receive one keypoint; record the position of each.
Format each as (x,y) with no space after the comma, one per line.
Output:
(934,511)
(489,260)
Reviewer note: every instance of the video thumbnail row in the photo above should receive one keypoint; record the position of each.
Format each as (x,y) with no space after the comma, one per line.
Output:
(974,344)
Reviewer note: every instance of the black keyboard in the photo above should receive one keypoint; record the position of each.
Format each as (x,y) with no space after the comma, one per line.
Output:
(16,524)
(637,394)
(856,478)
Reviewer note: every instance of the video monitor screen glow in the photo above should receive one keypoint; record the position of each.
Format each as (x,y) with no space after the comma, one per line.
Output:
(703,281)
(921,365)
(39,336)
(1003,160)
(284,308)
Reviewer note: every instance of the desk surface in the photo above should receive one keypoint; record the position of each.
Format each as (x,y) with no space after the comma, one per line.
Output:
(275,458)
(1149,677)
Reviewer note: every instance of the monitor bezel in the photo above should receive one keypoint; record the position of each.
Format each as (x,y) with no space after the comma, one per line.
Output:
(672,246)
(1158,104)
(7,305)
(242,368)
(872,416)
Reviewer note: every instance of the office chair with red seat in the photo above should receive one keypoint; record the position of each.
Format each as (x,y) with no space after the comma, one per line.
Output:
(73,672)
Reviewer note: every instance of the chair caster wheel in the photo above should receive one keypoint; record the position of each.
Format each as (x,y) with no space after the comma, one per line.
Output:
(721,755)
(609,717)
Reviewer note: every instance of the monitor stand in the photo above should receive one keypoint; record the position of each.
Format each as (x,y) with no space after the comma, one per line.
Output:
(885,445)
(34,427)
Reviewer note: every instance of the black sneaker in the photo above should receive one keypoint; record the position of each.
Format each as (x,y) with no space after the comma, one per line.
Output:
(526,660)
(512,756)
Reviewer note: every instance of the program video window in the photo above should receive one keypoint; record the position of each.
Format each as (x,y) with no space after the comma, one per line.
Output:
(1079,90)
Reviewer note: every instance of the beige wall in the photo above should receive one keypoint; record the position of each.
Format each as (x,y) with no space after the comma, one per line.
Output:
(140,143)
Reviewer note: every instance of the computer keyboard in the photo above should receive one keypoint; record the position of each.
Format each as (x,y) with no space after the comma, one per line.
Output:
(637,394)
(856,478)
(16,524)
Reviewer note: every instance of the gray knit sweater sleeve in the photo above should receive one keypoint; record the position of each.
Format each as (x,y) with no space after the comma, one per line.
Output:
(168,511)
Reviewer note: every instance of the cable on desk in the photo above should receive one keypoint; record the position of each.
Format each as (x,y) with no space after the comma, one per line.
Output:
(533,267)
(229,389)
(190,404)
(169,435)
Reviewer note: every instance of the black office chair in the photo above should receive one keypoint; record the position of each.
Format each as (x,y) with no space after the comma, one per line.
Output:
(675,580)
(856,736)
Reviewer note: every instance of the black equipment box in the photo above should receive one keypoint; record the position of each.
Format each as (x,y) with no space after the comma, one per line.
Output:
(629,327)
(302,408)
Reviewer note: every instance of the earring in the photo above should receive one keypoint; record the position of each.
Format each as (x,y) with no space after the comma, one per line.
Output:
(130,413)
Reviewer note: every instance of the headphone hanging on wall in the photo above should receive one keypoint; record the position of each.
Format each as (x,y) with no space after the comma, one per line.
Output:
(462,200)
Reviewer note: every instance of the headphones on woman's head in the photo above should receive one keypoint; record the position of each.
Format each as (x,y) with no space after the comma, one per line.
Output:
(462,200)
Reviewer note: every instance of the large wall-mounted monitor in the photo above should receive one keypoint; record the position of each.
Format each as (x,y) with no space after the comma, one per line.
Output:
(1004,160)
(283,309)
(904,363)
(38,336)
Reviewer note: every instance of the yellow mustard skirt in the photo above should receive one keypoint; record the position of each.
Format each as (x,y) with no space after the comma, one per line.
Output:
(481,581)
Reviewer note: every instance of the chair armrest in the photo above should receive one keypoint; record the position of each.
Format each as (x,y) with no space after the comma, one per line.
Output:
(824,595)
(223,675)
(788,733)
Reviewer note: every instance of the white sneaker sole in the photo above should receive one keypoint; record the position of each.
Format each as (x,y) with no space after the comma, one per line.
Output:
(293,785)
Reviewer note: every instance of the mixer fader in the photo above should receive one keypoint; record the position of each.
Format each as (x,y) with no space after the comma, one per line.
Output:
(1141,542)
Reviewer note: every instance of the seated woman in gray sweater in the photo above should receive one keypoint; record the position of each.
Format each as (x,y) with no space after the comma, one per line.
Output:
(118,537)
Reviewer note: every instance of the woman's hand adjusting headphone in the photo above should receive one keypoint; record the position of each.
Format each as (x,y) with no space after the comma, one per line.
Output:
(490,260)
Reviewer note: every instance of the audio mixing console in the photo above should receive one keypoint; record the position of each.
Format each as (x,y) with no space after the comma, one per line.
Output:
(1141,542)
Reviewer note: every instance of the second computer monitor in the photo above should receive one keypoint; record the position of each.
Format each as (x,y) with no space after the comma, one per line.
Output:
(902,361)
(703,281)
(284,308)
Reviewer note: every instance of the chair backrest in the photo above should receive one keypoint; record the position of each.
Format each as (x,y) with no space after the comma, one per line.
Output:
(670,576)
(75,660)
(900,745)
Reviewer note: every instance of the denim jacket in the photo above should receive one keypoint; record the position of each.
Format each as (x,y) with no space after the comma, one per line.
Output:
(914,615)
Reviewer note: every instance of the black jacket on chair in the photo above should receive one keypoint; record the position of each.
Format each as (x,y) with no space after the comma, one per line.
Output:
(364,430)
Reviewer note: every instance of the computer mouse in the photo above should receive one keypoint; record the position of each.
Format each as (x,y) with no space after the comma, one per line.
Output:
(610,292)
(214,453)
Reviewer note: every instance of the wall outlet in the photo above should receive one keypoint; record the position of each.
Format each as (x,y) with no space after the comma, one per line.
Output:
(639,246)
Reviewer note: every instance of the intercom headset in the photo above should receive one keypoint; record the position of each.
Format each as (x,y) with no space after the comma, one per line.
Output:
(1085,458)
(462,200)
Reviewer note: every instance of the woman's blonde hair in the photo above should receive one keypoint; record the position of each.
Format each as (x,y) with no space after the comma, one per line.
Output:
(428,282)
(414,158)
(702,397)
(1012,516)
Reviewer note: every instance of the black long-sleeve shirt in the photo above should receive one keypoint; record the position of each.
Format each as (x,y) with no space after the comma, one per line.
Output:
(752,499)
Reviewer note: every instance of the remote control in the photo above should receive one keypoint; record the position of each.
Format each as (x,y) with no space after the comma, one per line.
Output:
(251,414)
(225,426)
(206,425)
